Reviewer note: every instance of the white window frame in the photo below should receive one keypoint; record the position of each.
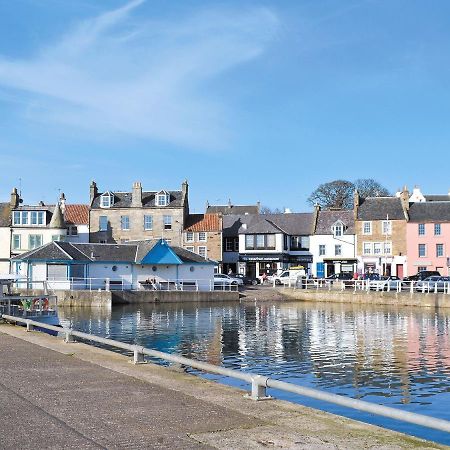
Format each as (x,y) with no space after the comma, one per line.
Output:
(437,229)
(106,200)
(162,200)
(388,248)
(202,236)
(190,248)
(189,237)
(200,252)
(424,246)
(32,241)
(377,248)
(442,253)
(338,229)
(148,222)
(167,222)
(367,232)
(19,239)
(322,249)
(338,250)
(421,229)
(125,223)
(100,223)
(367,248)
(386,227)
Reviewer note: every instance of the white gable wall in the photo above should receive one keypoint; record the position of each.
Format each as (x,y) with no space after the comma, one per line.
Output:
(347,243)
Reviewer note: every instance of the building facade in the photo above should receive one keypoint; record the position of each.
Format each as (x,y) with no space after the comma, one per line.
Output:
(119,217)
(380,228)
(428,237)
(134,266)
(333,243)
(269,243)
(34,225)
(5,237)
(203,235)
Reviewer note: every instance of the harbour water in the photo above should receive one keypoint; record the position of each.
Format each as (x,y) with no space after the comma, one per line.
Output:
(395,357)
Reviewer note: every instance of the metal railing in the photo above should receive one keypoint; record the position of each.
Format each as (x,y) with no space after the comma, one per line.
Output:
(259,383)
(422,287)
(124,284)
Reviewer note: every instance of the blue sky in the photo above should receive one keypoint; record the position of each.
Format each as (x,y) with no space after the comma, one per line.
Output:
(247,100)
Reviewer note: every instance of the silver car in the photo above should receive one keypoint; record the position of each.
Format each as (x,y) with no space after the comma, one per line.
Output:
(434,283)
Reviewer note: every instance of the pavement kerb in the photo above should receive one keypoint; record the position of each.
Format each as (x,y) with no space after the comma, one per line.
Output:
(277,423)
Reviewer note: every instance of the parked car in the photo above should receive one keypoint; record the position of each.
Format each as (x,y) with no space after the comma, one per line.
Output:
(433,283)
(383,283)
(340,276)
(220,279)
(246,280)
(420,276)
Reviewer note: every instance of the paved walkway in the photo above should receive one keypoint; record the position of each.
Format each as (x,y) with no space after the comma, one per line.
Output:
(64,396)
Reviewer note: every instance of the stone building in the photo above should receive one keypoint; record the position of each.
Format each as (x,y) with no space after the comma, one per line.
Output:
(380,228)
(119,217)
(203,235)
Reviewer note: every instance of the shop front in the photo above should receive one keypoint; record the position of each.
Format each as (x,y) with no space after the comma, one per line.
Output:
(339,265)
(255,265)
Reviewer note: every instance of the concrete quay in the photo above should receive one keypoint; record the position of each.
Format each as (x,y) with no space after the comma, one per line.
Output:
(58,395)
(430,300)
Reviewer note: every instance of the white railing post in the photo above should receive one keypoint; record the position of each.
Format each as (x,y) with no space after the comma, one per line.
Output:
(259,385)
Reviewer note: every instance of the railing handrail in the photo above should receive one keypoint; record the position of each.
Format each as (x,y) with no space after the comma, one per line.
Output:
(259,383)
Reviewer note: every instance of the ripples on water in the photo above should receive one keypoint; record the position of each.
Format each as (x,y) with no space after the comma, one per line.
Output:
(393,357)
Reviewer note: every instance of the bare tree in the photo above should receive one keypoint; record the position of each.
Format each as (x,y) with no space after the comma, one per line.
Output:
(334,194)
(368,187)
(268,210)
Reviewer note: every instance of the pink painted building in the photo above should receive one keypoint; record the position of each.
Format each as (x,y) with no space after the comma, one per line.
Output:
(428,235)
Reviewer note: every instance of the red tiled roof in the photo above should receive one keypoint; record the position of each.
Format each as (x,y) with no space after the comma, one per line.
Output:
(203,222)
(77,214)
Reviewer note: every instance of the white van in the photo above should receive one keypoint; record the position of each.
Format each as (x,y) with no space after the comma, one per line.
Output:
(288,276)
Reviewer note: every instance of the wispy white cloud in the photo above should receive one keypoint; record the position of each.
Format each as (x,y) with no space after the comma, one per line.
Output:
(120,73)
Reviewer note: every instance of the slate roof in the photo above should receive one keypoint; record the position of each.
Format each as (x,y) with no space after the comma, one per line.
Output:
(437,198)
(129,252)
(232,224)
(232,209)
(123,200)
(5,215)
(187,256)
(326,219)
(203,222)
(294,224)
(108,252)
(378,208)
(77,214)
(433,211)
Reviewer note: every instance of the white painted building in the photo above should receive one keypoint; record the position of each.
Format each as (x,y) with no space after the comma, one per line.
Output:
(132,266)
(333,243)
(34,226)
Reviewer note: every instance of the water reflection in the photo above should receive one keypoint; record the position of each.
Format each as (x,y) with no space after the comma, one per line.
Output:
(397,357)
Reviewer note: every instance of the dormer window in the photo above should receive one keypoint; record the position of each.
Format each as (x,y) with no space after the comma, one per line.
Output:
(162,198)
(338,229)
(106,200)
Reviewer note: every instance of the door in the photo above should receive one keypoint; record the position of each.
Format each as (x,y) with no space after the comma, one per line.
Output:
(320,270)
(400,270)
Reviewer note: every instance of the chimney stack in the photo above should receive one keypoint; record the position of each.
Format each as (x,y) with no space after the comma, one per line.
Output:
(14,203)
(93,191)
(62,202)
(136,195)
